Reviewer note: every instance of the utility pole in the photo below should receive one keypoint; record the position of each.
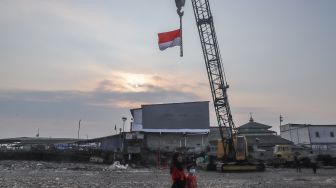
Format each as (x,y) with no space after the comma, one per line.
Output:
(79,123)
(281,120)
(123,133)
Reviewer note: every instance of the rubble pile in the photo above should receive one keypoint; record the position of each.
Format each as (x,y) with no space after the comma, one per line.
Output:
(117,166)
(26,174)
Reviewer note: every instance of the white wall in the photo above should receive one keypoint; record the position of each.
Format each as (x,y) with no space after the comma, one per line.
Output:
(303,135)
(170,141)
(286,135)
(306,134)
(137,120)
(324,132)
(296,134)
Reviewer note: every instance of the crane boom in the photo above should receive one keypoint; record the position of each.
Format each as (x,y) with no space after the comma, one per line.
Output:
(216,75)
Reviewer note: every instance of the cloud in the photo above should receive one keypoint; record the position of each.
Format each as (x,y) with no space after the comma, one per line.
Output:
(150,89)
(108,94)
(22,111)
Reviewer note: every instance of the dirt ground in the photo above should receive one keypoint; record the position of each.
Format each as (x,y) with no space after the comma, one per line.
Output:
(51,174)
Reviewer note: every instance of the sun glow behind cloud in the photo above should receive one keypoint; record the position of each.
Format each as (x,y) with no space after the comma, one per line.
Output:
(137,81)
(125,82)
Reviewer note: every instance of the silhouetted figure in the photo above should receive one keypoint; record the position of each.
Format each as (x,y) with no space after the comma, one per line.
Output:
(177,172)
(313,162)
(297,164)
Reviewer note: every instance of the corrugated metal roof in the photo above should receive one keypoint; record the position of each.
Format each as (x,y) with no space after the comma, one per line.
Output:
(267,140)
(39,140)
(253,125)
(306,125)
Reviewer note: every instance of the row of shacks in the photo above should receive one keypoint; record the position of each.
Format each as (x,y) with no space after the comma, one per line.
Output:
(156,132)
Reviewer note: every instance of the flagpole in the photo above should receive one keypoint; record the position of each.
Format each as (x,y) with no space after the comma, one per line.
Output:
(181,46)
(179,5)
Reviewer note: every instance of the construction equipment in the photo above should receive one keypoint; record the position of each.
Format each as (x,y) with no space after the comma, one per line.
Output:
(283,155)
(232,149)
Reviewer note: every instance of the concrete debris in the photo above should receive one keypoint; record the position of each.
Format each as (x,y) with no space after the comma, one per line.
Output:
(28,174)
(96,160)
(117,166)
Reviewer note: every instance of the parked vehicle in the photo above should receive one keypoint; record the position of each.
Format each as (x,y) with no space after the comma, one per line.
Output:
(284,155)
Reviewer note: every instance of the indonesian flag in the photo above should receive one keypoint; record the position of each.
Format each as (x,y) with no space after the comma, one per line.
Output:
(169,39)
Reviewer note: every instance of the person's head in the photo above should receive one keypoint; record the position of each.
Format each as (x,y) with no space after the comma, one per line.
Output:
(177,161)
(192,171)
(311,152)
(177,158)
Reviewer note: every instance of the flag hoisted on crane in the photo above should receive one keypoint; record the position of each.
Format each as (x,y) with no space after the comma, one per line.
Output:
(173,38)
(169,39)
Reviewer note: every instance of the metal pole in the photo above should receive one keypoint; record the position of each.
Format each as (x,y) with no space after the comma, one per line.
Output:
(179,5)
(123,133)
(78,128)
(181,45)
(122,144)
(281,120)
(159,154)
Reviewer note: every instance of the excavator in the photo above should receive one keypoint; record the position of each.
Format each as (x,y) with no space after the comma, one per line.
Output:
(232,151)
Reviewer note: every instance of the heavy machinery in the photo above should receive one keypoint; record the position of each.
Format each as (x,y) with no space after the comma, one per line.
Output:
(284,156)
(232,148)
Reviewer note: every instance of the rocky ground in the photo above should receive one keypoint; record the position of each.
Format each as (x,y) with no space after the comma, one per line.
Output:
(51,174)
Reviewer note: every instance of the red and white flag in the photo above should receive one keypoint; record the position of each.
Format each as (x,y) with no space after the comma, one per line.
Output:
(169,39)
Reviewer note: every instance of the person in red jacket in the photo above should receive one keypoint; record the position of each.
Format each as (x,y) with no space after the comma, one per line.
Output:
(177,171)
(191,179)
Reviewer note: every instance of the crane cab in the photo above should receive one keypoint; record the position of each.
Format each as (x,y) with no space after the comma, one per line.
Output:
(240,148)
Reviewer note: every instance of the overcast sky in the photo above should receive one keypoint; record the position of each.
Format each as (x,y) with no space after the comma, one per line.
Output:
(62,61)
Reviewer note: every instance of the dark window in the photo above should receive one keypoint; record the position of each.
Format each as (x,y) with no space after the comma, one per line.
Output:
(332,134)
(317,134)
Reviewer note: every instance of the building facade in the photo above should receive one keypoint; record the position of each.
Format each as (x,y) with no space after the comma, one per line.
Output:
(253,128)
(260,137)
(318,137)
(167,127)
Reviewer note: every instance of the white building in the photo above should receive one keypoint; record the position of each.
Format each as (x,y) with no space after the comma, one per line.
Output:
(318,137)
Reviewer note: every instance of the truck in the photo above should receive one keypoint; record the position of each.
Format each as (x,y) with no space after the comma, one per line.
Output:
(283,155)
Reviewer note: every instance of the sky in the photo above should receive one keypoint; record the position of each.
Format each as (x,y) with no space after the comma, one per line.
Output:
(63,61)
